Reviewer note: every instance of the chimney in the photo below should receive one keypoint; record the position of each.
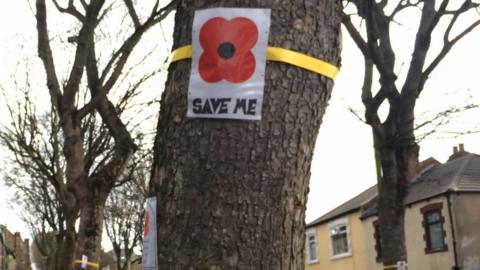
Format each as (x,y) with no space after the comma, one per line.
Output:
(458,151)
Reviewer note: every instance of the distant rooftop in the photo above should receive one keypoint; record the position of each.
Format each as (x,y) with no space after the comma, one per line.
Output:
(350,206)
(461,173)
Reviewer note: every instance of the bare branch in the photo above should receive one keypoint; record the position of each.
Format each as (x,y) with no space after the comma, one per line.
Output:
(124,146)
(403,4)
(448,44)
(379,40)
(120,57)
(70,9)
(429,20)
(84,4)
(355,113)
(445,117)
(132,12)
(378,44)
(355,34)
(124,226)
(84,40)
(45,54)
(105,12)
(94,83)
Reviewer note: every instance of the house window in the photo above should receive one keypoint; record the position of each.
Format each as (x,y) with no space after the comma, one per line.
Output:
(339,239)
(433,225)
(311,247)
(378,240)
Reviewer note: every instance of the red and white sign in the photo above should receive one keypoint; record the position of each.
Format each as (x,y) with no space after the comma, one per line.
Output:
(401,265)
(228,63)
(149,259)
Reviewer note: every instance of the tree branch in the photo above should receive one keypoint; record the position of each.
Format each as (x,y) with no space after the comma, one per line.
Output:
(447,43)
(379,40)
(402,4)
(132,12)
(45,54)
(357,38)
(378,44)
(124,146)
(121,56)
(84,40)
(429,20)
(84,4)
(70,9)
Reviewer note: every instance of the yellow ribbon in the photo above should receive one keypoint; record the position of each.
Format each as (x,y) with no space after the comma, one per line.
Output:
(276,54)
(92,264)
(181,53)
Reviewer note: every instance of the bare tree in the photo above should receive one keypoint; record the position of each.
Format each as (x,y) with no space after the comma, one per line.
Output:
(43,250)
(124,211)
(394,138)
(82,193)
(33,140)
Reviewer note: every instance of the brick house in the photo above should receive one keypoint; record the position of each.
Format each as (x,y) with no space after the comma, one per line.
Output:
(14,251)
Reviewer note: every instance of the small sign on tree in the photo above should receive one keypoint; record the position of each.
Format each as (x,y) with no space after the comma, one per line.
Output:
(401,265)
(149,260)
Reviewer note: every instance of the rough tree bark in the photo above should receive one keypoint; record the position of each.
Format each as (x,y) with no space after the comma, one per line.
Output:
(394,138)
(232,194)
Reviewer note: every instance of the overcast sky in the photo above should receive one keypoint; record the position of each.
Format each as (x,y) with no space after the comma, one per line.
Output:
(343,163)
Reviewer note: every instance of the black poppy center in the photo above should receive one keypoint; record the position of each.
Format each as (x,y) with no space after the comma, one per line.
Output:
(226,50)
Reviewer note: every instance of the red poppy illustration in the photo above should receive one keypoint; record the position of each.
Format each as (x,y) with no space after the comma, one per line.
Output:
(146,229)
(227,45)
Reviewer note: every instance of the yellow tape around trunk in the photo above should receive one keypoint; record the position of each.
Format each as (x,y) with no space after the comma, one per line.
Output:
(276,54)
(181,53)
(92,264)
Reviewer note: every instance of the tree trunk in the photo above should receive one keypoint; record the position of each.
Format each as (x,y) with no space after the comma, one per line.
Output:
(73,192)
(399,156)
(91,228)
(59,257)
(70,242)
(120,264)
(231,194)
(391,209)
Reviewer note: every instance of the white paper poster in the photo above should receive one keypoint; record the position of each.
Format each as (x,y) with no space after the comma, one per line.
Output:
(228,63)
(84,263)
(149,259)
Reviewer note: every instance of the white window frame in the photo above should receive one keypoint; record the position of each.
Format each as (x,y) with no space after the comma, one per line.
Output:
(309,233)
(333,224)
